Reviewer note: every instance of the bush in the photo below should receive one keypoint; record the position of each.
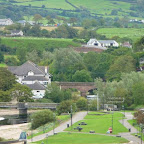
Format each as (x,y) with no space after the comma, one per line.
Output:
(41,118)
(82,103)
(93,105)
(65,107)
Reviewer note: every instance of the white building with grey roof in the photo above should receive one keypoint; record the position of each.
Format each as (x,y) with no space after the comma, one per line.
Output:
(5,22)
(102,43)
(35,77)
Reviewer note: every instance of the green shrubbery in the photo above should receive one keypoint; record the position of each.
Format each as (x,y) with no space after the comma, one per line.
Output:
(40,118)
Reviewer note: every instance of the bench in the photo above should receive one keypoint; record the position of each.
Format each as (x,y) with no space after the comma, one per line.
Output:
(91,131)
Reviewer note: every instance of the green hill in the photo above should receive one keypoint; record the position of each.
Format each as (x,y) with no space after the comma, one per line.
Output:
(105,8)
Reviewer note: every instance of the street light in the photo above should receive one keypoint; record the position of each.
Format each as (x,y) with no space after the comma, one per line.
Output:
(142,127)
(46,138)
(53,122)
(31,130)
(71,117)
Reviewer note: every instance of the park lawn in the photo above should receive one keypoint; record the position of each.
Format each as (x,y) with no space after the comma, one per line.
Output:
(78,138)
(3,65)
(101,123)
(132,33)
(48,127)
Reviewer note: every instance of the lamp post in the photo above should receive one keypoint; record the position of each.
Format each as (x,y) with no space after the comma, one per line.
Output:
(46,138)
(87,105)
(112,121)
(71,116)
(142,127)
(31,130)
(53,123)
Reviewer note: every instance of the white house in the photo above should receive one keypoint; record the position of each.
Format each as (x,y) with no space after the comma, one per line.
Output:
(16,33)
(35,77)
(5,22)
(102,43)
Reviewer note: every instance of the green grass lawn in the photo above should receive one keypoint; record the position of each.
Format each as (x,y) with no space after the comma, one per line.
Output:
(101,123)
(77,138)
(2,65)
(132,33)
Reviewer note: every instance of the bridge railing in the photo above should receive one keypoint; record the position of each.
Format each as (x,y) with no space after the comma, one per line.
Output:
(28,105)
(8,105)
(42,105)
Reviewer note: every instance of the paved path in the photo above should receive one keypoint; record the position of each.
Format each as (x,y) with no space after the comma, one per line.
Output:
(129,136)
(77,117)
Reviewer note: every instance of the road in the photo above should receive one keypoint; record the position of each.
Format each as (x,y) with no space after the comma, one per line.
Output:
(77,117)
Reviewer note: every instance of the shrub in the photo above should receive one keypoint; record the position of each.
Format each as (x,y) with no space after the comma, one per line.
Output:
(41,118)
(82,103)
(65,107)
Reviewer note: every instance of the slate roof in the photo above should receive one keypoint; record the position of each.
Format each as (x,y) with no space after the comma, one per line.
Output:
(34,78)
(26,67)
(4,20)
(106,41)
(36,86)
(15,31)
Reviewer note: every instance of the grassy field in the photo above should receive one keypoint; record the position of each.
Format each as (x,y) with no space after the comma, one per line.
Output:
(101,123)
(132,33)
(103,7)
(48,3)
(31,43)
(2,65)
(77,138)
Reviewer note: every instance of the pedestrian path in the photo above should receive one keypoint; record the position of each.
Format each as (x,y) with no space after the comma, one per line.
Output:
(77,117)
(129,136)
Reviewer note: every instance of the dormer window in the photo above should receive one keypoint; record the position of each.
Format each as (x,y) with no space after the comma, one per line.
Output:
(30,73)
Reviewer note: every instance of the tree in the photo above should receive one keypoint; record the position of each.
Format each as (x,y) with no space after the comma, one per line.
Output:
(82,76)
(7,79)
(37,18)
(124,64)
(54,93)
(21,93)
(33,56)
(82,103)
(41,118)
(138,94)
(11,61)
(139,117)
(65,107)
(21,55)
(98,64)
(66,63)
(5,96)
(1,57)
(139,45)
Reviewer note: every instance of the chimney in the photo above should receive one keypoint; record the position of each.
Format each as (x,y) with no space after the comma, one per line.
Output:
(46,70)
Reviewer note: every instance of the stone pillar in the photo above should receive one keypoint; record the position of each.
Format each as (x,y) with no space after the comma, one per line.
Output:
(22,111)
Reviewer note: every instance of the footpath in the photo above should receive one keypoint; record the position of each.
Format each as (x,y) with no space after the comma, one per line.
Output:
(77,117)
(128,135)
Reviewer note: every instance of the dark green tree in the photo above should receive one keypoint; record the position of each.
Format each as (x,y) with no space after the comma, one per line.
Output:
(7,79)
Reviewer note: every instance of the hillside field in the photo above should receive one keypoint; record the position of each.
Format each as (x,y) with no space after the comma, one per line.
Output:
(132,33)
(31,43)
(99,7)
